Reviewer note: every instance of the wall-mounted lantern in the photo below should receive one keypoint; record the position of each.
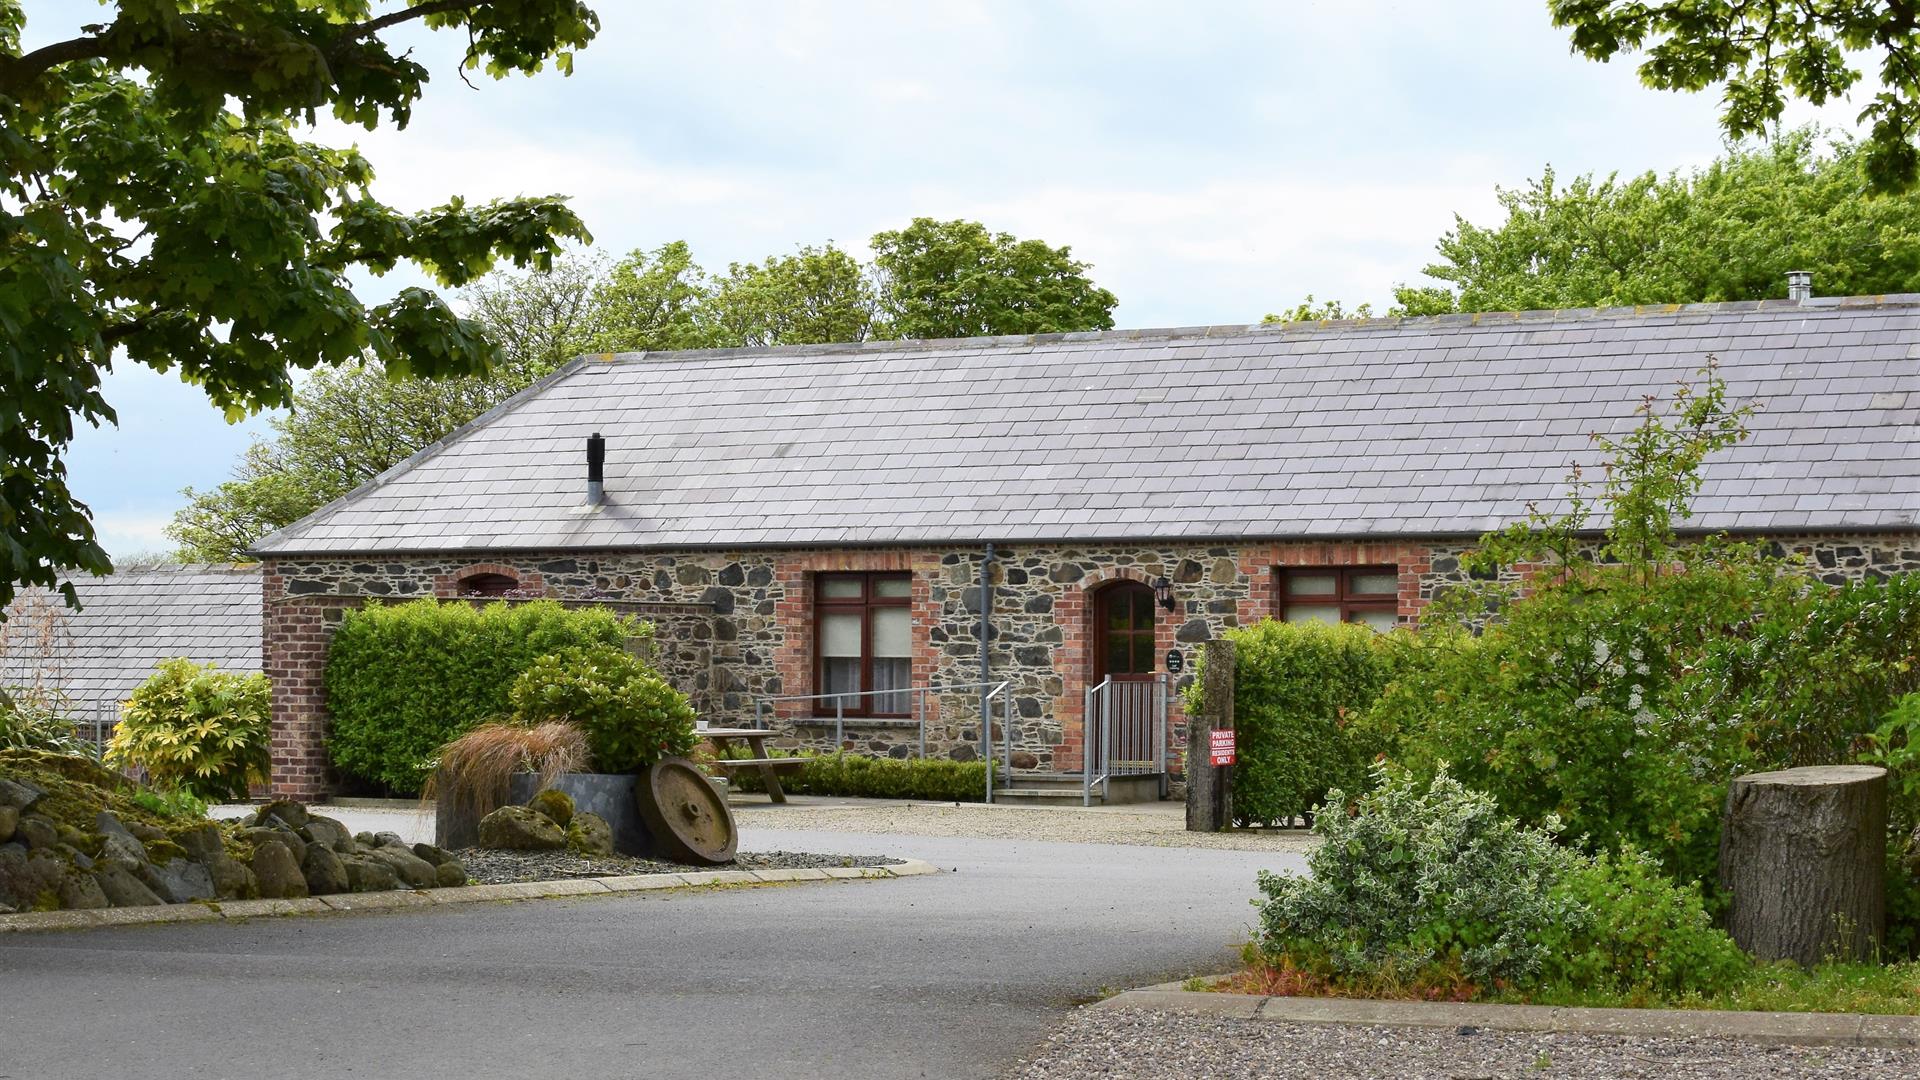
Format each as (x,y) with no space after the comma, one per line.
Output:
(1163,593)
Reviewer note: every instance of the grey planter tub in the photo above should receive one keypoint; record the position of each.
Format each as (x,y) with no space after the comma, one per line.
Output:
(608,794)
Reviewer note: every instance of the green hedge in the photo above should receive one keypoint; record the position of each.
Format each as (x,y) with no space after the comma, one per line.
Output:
(853,776)
(1298,690)
(404,679)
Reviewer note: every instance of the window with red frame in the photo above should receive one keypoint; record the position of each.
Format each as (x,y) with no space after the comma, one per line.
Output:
(863,641)
(1330,594)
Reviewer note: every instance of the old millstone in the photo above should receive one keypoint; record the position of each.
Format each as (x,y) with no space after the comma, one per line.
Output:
(689,820)
(9,817)
(520,829)
(326,875)
(589,834)
(277,873)
(122,889)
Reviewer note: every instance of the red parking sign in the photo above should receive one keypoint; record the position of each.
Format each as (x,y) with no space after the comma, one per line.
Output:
(1220,746)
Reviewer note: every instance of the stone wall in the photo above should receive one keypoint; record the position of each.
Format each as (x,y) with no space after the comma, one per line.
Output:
(734,628)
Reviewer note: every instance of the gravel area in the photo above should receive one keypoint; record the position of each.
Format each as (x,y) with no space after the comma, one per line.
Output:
(1132,1044)
(487,866)
(1162,826)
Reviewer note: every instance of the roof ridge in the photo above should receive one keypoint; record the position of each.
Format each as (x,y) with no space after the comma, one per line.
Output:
(1227,331)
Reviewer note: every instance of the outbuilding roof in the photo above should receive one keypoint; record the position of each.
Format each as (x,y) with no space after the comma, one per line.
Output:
(1383,427)
(128,623)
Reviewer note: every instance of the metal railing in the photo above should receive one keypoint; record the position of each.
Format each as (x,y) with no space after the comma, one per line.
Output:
(1000,692)
(1125,732)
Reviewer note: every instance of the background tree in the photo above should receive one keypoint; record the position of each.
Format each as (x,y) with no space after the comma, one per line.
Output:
(1308,311)
(1729,231)
(347,426)
(813,296)
(541,318)
(158,207)
(652,300)
(940,279)
(1766,51)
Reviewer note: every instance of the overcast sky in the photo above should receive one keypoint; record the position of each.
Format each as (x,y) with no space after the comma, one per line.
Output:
(1213,161)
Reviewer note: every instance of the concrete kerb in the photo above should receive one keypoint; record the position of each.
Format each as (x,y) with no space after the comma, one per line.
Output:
(1799,1029)
(238,910)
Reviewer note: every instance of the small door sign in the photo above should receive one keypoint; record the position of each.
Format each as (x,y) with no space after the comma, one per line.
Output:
(1220,747)
(1176,662)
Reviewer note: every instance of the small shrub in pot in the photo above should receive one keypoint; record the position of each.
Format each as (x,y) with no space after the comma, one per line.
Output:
(630,716)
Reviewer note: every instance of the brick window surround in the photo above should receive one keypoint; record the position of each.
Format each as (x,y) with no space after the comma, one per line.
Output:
(1346,591)
(794,655)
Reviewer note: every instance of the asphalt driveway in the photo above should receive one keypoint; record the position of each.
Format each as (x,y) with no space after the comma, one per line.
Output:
(954,975)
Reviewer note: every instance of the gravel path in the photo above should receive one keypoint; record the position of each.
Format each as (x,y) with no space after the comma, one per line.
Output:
(494,867)
(1132,1044)
(1157,827)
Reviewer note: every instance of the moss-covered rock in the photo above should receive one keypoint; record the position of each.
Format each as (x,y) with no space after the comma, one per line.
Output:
(520,829)
(9,817)
(326,875)
(590,834)
(557,805)
(276,872)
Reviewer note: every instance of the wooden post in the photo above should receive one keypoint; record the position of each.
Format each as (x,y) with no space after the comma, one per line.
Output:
(1210,789)
(1803,854)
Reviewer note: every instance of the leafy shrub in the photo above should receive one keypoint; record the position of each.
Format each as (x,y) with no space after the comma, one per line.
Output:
(1895,745)
(1297,688)
(1641,933)
(33,719)
(854,776)
(630,716)
(1423,876)
(403,680)
(196,729)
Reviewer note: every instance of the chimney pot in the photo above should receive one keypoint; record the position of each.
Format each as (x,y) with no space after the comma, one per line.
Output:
(596,469)
(1799,285)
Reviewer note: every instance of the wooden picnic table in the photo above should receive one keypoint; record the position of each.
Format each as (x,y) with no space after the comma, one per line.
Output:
(723,739)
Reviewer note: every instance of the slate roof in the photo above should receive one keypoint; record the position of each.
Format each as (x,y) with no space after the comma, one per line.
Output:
(1386,427)
(132,620)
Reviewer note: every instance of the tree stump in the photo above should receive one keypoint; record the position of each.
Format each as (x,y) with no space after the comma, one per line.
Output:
(1803,853)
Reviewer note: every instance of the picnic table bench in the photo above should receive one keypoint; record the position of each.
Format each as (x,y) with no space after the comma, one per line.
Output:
(756,740)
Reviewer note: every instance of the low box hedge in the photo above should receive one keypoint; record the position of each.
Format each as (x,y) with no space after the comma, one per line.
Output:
(854,776)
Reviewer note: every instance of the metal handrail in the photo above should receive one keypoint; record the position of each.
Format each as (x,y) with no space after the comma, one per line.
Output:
(1098,734)
(1002,689)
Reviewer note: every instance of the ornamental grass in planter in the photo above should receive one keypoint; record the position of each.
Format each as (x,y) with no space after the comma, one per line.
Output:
(595,715)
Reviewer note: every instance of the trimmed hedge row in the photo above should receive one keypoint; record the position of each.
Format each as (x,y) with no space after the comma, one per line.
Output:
(853,776)
(404,679)
(1298,692)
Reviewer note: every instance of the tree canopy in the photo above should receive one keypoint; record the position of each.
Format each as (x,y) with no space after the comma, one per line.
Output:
(1729,231)
(1765,51)
(160,207)
(942,279)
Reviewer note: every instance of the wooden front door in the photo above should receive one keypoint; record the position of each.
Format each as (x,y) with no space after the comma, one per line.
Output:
(1124,712)
(1123,633)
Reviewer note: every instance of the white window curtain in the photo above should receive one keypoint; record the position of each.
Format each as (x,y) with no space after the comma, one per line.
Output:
(840,657)
(892,659)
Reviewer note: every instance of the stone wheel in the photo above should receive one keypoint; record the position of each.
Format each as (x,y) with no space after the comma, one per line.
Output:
(689,820)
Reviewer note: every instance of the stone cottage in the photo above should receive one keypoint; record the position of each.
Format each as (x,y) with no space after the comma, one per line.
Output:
(810,525)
